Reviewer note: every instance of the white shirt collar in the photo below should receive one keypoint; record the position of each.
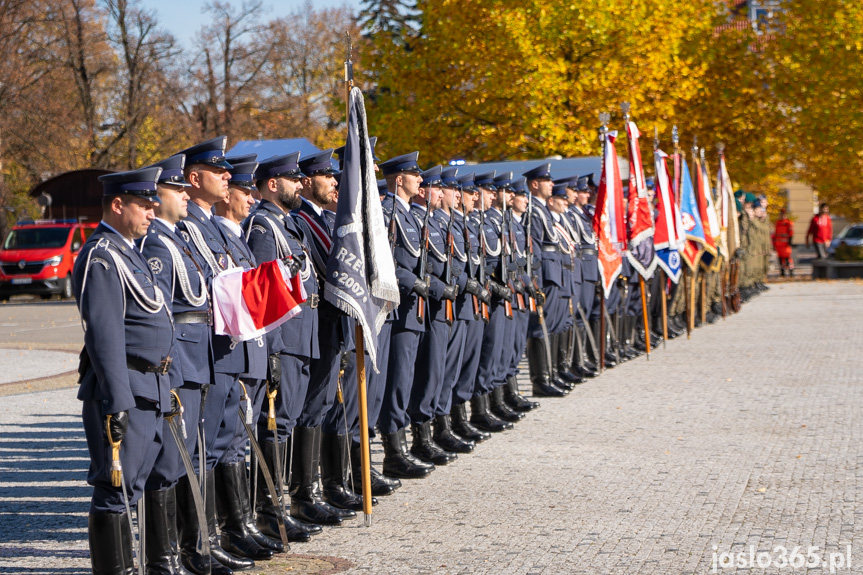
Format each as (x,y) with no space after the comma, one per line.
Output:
(231,225)
(169,225)
(402,202)
(127,240)
(540,200)
(318,209)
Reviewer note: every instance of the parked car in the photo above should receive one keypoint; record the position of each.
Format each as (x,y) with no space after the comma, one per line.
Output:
(850,236)
(37,257)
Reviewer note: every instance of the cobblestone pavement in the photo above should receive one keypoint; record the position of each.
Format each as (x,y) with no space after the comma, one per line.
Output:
(746,435)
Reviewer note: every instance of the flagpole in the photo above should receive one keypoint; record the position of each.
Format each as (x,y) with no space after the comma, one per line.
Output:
(362,399)
(692,278)
(604,118)
(678,179)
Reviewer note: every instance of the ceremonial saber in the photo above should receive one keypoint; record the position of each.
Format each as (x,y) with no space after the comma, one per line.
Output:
(362,400)
(644,315)
(664,308)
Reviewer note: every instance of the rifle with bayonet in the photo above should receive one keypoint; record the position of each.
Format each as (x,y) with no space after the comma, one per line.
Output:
(424,256)
(450,277)
(483,254)
(533,288)
(519,295)
(505,277)
(468,250)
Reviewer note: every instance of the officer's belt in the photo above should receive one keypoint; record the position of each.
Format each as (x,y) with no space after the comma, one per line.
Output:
(205,317)
(588,251)
(143,366)
(311,301)
(550,248)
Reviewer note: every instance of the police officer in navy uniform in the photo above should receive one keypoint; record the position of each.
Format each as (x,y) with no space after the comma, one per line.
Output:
(524,285)
(431,353)
(462,367)
(208,174)
(583,221)
(272,233)
(447,216)
(404,177)
(549,276)
(128,341)
(180,276)
(335,336)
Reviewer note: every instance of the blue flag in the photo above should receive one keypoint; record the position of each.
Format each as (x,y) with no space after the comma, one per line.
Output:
(361,276)
(692,224)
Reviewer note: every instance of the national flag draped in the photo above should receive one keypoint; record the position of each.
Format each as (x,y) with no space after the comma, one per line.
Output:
(361,276)
(691,216)
(250,303)
(668,236)
(640,213)
(608,221)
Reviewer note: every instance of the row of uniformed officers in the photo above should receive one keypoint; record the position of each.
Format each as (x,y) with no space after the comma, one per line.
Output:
(491,284)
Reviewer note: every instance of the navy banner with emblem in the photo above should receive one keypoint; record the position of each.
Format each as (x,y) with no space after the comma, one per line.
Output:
(361,277)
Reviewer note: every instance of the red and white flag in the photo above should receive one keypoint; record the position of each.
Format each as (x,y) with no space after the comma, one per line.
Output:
(250,303)
(640,212)
(669,235)
(608,220)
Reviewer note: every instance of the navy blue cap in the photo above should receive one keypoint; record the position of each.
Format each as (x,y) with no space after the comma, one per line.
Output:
(319,163)
(340,152)
(399,164)
(210,153)
(519,186)
(504,181)
(285,166)
(467,182)
(382,187)
(541,172)
(141,183)
(172,171)
(485,180)
(559,190)
(449,177)
(243,170)
(591,180)
(432,177)
(649,183)
(570,182)
(582,184)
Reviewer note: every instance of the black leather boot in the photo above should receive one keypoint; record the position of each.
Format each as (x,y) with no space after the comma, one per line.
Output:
(462,427)
(305,504)
(586,367)
(554,340)
(173,540)
(381,484)
(316,482)
(219,554)
(161,547)
(424,448)
(189,533)
(336,474)
(108,542)
(275,545)
(481,417)
(235,538)
(540,373)
(449,441)
(500,409)
(267,512)
(397,462)
(564,359)
(514,398)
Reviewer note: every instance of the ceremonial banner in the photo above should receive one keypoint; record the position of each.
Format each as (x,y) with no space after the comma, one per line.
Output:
(361,276)
(250,303)
(668,236)
(608,222)
(705,208)
(730,234)
(691,216)
(639,213)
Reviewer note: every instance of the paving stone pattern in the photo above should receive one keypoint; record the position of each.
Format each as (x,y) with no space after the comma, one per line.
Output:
(747,434)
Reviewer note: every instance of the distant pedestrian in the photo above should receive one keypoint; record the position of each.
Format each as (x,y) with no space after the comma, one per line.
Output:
(783,235)
(821,231)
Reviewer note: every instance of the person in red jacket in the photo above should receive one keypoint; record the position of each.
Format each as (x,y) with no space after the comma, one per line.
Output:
(782,236)
(821,231)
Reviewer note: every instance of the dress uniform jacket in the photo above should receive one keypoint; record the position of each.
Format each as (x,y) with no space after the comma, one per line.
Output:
(407,251)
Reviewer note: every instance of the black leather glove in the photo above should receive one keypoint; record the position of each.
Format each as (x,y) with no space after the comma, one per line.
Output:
(450,292)
(274,371)
(484,296)
(472,287)
(519,286)
(421,288)
(531,289)
(118,425)
(500,290)
(540,297)
(175,405)
(293,264)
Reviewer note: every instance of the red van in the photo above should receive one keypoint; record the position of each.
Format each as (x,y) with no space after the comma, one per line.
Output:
(37,257)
